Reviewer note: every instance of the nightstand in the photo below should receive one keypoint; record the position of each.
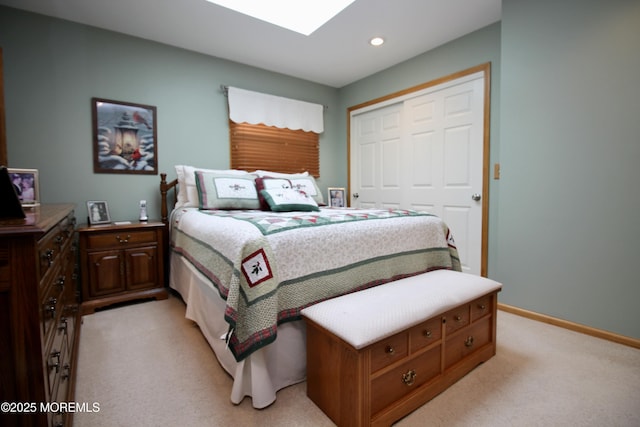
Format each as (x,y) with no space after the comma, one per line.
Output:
(121,262)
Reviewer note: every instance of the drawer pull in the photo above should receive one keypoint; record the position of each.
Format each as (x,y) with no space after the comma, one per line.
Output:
(409,378)
(63,325)
(458,318)
(55,354)
(125,240)
(67,369)
(48,256)
(389,350)
(469,341)
(427,333)
(482,306)
(50,307)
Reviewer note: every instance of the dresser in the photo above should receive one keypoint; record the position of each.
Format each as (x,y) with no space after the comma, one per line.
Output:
(39,316)
(121,263)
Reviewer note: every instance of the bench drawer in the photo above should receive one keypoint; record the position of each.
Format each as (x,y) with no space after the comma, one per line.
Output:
(481,307)
(456,318)
(398,382)
(468,341)
(425,334)
(388,351)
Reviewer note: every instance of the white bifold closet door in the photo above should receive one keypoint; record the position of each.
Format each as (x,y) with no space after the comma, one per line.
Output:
(425,152)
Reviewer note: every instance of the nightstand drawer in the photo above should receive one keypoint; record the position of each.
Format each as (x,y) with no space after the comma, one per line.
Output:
(119,238)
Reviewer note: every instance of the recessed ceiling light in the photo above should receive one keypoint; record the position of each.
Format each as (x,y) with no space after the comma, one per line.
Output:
(376,41)
(300,16)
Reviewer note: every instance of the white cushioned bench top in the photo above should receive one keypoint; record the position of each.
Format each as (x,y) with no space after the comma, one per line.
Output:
(364,317)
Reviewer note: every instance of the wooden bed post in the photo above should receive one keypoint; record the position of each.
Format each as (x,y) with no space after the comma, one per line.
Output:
(163,196)
(164,216)
(164,189)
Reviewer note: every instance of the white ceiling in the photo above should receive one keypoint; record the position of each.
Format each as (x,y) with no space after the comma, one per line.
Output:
(335,55)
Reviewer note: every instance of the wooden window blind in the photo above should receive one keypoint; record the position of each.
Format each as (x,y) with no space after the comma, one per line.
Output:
(270,148)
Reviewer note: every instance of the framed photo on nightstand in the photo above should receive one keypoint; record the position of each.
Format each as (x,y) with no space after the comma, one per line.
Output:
(337,197)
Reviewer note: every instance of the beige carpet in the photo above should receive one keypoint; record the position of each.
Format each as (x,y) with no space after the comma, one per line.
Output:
(146,365)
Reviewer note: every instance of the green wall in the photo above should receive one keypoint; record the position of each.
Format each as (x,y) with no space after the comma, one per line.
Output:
(563,233)
(52,69)
(569,234)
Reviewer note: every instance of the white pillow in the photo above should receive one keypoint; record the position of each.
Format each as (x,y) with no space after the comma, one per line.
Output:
(308,185)
(224,191)
(187,191)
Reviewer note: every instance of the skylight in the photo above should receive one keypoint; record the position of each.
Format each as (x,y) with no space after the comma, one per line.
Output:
(296,15)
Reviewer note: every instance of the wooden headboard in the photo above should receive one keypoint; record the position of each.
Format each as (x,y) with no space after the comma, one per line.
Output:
(165,187)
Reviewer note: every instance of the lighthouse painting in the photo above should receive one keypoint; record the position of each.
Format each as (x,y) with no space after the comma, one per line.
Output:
(124,137)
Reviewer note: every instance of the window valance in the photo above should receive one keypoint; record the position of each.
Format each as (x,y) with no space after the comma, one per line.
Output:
(246,106)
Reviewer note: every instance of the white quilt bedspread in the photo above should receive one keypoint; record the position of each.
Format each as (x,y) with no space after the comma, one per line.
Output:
(269,266)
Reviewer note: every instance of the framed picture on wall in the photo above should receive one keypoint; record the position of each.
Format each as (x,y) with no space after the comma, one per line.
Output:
(98,212)
(27,186)
(337,197)
(125,137)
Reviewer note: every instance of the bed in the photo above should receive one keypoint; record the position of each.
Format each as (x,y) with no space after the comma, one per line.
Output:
(246,268)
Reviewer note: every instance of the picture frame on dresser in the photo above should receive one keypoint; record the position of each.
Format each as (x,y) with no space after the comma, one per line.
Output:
(98,212)
(27,186)
(10,207)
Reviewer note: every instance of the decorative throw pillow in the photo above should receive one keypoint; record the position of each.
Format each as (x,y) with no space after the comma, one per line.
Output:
(221,191)
(287,200)
(309,186)
(268,183)
(187,195)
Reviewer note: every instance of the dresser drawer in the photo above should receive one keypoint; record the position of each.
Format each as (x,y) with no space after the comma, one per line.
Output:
(466,342)
(425,334)
(120,238)
(404,379)
(52,302)
(5,272)
(388,350)
(49,250)
(56,360)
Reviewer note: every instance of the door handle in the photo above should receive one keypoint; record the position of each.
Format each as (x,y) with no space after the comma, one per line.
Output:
(476,197)
(356,195)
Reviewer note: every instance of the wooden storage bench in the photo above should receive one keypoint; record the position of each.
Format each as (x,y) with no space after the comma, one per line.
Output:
(376,355)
